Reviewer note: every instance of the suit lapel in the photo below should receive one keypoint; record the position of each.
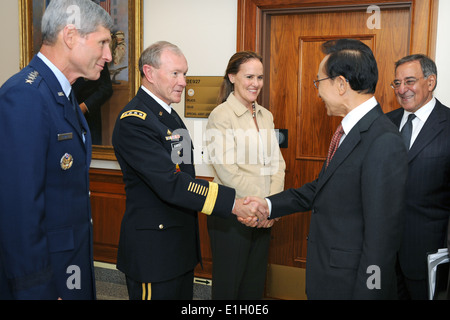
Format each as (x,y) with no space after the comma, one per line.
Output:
(396,116)
(348,145)
(432,127)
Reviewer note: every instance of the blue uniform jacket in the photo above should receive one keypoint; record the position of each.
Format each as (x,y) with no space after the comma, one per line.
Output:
(45,218)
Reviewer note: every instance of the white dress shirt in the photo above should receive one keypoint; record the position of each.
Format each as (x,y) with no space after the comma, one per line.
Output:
(353,117)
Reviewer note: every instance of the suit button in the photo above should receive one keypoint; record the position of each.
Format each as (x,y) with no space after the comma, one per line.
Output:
(161,226)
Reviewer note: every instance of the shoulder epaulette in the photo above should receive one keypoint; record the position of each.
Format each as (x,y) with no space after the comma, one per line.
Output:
(31,78)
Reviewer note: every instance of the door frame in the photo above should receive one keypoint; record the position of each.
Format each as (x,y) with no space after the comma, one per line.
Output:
(252,17)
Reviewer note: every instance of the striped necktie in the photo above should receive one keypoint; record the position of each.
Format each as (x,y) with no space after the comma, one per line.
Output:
(334,145)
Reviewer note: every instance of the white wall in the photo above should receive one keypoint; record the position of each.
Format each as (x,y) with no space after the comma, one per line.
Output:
(205,30)
(9,24)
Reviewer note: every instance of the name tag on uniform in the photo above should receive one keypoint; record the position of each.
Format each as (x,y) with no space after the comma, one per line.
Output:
(65,136)
(176,145)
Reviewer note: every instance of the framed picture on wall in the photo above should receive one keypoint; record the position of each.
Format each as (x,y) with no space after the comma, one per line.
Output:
(126,47)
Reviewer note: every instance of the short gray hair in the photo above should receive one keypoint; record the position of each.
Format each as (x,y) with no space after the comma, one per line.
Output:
(152,55)
(84,14)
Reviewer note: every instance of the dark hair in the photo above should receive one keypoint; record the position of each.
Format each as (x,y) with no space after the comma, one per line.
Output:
(233,68)
(353,60)
(428,66)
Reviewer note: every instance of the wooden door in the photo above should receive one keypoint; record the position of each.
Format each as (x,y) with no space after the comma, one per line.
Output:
(289,36)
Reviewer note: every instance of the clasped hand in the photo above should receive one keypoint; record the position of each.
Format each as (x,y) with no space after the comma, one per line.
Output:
(253,212)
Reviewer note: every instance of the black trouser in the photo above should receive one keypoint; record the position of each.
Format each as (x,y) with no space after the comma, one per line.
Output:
(180,288)
(239,255)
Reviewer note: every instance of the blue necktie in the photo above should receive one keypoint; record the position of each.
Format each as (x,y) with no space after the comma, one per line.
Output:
(75,105)
(72,99)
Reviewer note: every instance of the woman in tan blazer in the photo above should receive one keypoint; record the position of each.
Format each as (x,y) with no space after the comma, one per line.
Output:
(244,153)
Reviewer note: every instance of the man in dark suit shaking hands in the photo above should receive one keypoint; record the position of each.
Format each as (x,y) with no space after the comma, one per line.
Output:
(357,199)
(428,186)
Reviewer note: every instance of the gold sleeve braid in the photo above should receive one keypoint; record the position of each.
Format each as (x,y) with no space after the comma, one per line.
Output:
(210,194)
(211,198)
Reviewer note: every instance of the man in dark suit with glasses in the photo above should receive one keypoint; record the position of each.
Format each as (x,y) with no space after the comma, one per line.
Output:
(425,123)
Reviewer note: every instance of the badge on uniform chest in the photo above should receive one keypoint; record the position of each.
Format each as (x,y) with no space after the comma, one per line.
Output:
(172,137)
(66,161)
(176,145)
(175,137)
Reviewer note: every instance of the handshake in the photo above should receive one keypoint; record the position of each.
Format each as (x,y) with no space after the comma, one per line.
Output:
(253,212)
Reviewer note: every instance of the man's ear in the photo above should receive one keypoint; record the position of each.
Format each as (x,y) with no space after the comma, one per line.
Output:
(431,80)
(148,72)
(343,85)
(70,34)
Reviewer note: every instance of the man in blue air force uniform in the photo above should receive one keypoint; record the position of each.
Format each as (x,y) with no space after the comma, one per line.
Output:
(45,218)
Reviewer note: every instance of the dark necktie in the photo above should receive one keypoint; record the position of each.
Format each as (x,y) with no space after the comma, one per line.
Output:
(407,130)
(334,145)
(177,118)
(72,99)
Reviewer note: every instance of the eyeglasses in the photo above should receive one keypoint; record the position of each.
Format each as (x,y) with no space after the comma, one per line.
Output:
(409,82)
(316,82)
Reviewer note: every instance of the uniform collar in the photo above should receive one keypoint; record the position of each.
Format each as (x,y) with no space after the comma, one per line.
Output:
(160,102)
(65,84)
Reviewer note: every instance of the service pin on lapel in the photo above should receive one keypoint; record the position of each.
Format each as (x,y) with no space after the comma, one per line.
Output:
(66,161)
